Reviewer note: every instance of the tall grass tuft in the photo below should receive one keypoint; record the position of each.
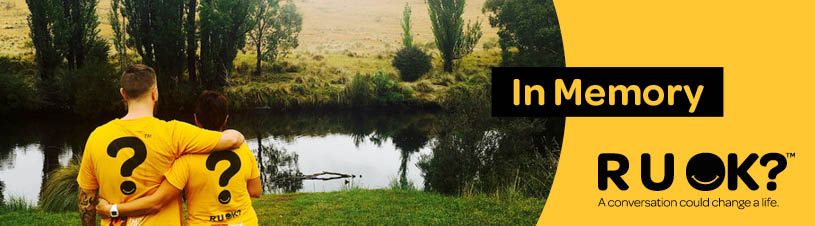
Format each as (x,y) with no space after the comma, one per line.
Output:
(61,190)
(399,185)
(16,203)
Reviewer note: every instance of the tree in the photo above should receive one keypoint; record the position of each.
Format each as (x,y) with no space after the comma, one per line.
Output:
(43,25)
(156,33)
(412,63)
(276,30)
(530,27)
(407,35)
(116,20)
(264,19)
(63,31)
(224,24)
(192,43)
(448,27)
(82,30)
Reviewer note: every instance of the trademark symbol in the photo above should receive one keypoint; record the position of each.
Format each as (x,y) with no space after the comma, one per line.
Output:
(790,155)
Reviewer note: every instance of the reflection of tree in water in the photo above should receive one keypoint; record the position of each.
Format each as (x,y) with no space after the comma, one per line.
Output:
(409,134)
(408,140)
(2,189)
(278,169)
(493,155)
(52,146)
(471,152)
(52,134)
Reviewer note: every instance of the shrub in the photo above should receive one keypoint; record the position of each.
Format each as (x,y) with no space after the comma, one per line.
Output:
(95,89)
(18,86)
(388,90)
(471,97)
(412,63)
(61,189)
(360,91)
(18,93)
(377,89)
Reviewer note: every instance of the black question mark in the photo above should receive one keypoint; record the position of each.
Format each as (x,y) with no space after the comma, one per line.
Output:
(782,164)
(234,165)
(139,155)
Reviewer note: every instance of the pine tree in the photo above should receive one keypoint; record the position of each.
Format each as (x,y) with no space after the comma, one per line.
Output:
(116,20)
(448,27)
(407,35)
(43,24)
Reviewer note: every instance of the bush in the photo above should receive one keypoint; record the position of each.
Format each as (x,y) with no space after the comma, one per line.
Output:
(18,89)
(378,89)
(95,89)
(18,93)
(412,63)
(360,91)
(470,97)
(388,90)
(60,191)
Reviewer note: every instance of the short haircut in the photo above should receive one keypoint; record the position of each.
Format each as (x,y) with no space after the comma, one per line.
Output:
(137,80)
(211,110)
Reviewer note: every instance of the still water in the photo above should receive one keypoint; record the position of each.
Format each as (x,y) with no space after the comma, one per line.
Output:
(426,151)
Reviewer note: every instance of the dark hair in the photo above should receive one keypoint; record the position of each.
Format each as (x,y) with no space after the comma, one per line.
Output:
(211,110)
(137,80)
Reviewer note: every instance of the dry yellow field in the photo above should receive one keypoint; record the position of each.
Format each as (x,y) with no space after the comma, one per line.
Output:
(329,26)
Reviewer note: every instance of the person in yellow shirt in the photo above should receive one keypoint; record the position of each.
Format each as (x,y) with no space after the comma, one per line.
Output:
(217,186)
(126,158)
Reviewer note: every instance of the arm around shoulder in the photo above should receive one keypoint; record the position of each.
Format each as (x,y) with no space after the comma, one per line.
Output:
(230,139)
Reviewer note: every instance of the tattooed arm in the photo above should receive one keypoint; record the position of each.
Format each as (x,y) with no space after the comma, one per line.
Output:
(87,206)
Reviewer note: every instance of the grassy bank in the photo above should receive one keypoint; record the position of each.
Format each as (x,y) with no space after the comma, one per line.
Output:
(357,207)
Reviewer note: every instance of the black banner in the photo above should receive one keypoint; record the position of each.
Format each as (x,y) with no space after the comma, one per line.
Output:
(608,91)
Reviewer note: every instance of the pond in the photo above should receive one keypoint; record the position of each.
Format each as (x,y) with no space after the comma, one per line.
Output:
(445,153)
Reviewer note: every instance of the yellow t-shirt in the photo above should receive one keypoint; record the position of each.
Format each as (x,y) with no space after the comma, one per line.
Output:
(127,159)
(215,186)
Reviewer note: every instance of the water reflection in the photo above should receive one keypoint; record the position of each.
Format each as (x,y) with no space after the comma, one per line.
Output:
(444,153)
(31,149)
(381,144)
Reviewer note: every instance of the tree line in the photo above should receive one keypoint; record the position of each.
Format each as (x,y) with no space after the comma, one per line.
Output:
(192,41)
(196,41)
(528,31)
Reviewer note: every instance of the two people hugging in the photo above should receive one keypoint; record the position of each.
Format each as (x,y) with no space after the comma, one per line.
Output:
(135,168)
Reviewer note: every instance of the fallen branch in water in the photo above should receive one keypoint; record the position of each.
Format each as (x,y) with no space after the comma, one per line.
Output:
(333,176)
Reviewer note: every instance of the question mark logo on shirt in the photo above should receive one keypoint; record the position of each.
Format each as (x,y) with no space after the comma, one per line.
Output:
(234,165)
(139,155)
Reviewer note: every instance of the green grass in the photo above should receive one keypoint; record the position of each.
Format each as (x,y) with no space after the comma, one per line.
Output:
(394,207)
(38,217)
(16,203)
(18,211)
(311,80)
(356,207)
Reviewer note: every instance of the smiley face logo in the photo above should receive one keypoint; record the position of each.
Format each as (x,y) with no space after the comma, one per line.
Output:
(705,171)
